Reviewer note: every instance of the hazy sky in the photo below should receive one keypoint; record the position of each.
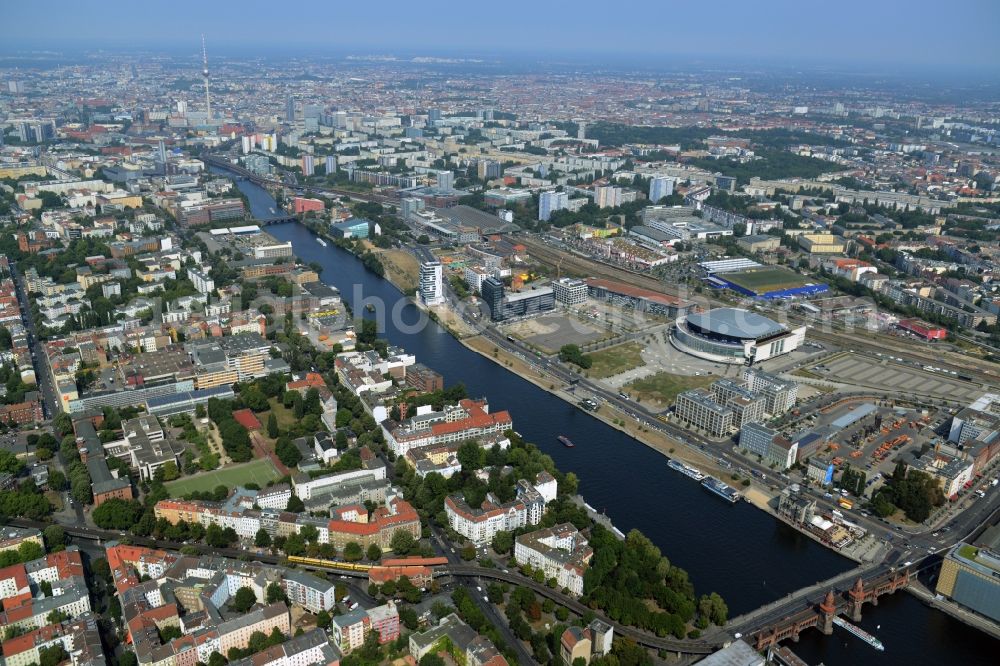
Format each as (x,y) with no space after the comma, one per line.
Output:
(959,33)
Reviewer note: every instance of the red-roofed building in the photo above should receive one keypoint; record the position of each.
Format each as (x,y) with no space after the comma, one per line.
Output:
(351,523)
(311,380)
(470,419)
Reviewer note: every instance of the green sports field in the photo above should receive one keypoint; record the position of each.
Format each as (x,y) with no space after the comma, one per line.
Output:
(765,280)
(258,471)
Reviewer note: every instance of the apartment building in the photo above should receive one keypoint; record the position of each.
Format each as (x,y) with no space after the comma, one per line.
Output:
(747,406)
(560,552)
(481,524)
(779,394)
(310,649)
(469,419)
(698,408)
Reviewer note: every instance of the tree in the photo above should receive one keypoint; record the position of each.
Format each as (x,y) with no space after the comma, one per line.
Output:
(352,552)
(374,553)
(503,542)
(52,655)
(287,452)
(572,354)
(295,504)
(471,456)
(254,398)
(275,594)
(243,600)
(57,480)
(262,539)
(170,471)
(295,545)
(402,542)
(431,659)
(55,536)
(56,616)
(272,426)
(117,514)
(216,659)
(169,633)
(10,464)
(323,619)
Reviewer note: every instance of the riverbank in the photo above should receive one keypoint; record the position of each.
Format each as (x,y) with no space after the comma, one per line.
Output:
(610,415)
(761,497)
(402,269)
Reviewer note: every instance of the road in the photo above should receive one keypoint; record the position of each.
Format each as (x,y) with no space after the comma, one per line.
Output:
(43,377)
(907,543)
(475,589)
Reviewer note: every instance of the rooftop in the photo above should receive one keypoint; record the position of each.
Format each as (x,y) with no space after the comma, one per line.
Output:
(735,322)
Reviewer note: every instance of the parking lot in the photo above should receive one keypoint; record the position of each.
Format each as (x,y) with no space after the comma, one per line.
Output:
(891,375)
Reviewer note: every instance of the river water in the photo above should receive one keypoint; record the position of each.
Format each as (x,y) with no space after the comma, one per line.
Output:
(736,550)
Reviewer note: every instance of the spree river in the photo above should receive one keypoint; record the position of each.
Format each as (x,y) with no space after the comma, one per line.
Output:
(736,550)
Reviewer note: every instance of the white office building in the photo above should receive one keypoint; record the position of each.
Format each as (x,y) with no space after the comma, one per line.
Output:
(431,284)
(570,291)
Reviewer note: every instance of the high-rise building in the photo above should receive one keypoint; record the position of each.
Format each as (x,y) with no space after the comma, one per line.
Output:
(549,202)
(433,114)
(445,180)
(488,169)
(431,283)
(290,109)
(659,187)
(492,293)
(331,164)
(581,131)
(608,196)
(308,165)
(411,206)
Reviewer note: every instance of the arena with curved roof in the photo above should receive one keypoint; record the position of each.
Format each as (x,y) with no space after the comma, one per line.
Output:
(732,335)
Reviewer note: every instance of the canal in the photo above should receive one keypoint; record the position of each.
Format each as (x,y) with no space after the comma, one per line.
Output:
(736,550)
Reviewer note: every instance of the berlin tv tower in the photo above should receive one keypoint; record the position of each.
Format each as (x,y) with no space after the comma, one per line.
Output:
(204,74)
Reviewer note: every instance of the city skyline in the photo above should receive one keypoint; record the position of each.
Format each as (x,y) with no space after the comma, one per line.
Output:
(889,35)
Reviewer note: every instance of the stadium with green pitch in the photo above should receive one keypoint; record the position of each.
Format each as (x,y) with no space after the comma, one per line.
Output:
(768,283)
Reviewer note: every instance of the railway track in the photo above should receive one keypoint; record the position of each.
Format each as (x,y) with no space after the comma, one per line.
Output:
(965,367)
(585,267)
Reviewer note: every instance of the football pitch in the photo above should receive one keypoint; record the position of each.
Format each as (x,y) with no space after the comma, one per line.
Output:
(763,281)
(258,471)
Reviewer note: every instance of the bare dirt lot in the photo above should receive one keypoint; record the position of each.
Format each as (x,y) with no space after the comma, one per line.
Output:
(551,332)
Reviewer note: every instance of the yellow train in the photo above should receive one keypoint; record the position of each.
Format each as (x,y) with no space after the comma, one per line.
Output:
(328,564)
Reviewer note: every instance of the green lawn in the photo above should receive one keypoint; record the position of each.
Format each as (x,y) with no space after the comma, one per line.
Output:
(258,471)
(615,360)
(968,552)
(286,419)
(661,389)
